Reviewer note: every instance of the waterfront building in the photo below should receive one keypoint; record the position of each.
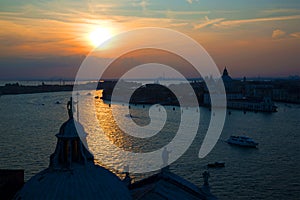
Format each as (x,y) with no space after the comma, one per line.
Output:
(286,91)
(244,96)
(265,105)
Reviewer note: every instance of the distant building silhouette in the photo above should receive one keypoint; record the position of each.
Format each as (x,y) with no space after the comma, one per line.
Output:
(242,95)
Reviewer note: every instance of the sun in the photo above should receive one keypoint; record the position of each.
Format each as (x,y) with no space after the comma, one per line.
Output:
(99,36)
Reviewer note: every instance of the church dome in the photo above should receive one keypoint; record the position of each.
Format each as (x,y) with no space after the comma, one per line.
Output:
(72,173)
(82,182)
(225,76)
(70,129)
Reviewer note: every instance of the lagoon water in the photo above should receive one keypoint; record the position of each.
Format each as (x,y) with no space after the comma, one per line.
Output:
(29,124)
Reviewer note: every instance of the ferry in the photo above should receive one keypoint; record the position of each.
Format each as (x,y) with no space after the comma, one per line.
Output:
(242,141)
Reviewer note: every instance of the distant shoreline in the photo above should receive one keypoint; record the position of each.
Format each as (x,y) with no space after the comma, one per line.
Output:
(15,89)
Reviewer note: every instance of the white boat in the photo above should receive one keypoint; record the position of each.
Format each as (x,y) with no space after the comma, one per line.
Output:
(242,141)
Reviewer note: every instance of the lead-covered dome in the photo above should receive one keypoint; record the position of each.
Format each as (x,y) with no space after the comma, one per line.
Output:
(72,173)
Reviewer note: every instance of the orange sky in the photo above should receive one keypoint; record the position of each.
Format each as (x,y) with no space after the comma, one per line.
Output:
(44,39)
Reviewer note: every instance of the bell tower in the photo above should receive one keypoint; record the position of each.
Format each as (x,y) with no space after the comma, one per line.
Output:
(70,149)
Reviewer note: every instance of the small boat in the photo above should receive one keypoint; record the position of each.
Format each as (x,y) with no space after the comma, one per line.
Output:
(242,141)
(216,164)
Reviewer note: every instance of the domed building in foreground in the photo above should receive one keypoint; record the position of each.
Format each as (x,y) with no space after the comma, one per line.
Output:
(72,173)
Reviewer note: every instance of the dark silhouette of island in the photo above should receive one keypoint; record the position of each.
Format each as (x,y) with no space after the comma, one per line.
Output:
(16,88)
(241,94)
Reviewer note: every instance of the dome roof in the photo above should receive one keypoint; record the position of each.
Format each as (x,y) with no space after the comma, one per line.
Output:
(83,182)
(72,173)
(71,129)
(225,76)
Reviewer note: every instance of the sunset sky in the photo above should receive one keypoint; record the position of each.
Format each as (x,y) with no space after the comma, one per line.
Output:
(49,39)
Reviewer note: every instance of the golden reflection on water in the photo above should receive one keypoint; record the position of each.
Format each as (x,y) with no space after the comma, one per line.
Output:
(104,137)
(101,139)
(109,126)
(140,114)
(114,148)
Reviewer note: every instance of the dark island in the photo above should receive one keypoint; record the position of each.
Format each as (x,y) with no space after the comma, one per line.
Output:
(241,94)
(16,88)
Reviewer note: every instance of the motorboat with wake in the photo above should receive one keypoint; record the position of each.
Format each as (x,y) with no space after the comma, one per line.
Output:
(243,141)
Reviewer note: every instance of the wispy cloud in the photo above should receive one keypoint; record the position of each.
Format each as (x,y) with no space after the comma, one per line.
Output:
(143,4)
(278,34)
(191,1)
(255,20)
(187,12)
(208,22)
(179,24)
(181,14)
(280,11)
(226,11)
(295,35)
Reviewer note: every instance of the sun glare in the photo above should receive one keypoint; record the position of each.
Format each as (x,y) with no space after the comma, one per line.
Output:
(99,36)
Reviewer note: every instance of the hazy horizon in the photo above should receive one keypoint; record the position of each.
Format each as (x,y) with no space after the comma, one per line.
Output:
(56,79)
